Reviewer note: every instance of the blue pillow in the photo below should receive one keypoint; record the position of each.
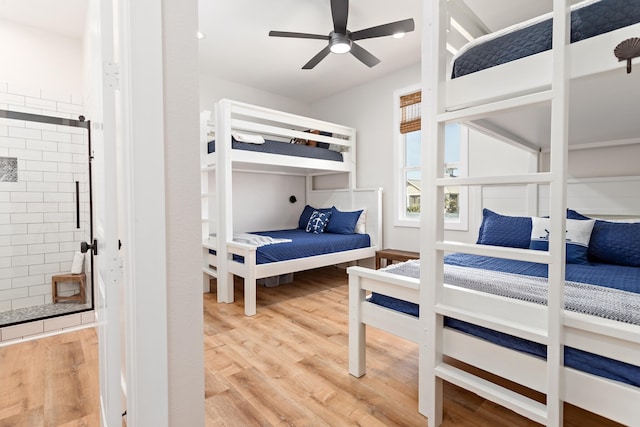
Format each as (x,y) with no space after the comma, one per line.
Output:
(343,222)
(306,214)
(578,234)
(318,222)
(503,230)
(614,242)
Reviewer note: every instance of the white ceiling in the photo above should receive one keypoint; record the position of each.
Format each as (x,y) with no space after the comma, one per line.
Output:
(237,47)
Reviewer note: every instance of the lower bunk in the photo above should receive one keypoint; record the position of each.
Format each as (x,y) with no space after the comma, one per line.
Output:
(354,235)
(601,327)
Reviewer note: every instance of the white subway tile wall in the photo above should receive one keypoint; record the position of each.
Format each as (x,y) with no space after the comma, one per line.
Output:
(38,233)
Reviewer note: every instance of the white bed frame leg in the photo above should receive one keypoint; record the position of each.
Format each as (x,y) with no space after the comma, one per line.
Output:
(206,283)
(225,288)
(357,329)
(250,296)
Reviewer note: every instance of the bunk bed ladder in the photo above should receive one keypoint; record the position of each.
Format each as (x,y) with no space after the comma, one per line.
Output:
(206,198)
(432,366)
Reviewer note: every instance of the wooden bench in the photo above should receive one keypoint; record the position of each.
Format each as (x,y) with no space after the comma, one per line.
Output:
(68,277)
(391,255)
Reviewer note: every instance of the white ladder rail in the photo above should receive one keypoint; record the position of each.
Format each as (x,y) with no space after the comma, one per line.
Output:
(432,369)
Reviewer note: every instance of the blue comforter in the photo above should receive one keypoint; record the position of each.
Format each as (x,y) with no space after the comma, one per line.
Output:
(588,21)
(305,244)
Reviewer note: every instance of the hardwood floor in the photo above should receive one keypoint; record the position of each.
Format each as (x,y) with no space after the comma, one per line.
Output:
(50,382)
(285,366)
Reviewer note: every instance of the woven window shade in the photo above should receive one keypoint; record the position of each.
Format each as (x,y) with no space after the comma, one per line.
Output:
(410,112)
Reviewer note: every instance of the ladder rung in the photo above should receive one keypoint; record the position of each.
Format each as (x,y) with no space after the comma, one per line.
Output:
(210,272)
(483,110)
(530,255)
(493,323)
(529,178)
(523,405)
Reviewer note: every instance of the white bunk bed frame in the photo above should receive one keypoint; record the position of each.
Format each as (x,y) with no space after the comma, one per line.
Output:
(217,206)
(541,78)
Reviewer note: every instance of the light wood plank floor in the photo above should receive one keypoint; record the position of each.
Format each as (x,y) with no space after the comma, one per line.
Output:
(285,366)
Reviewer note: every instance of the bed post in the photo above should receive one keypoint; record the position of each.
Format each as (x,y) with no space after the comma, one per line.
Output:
(557,209)
(432,206)
(357,329)
(224,211)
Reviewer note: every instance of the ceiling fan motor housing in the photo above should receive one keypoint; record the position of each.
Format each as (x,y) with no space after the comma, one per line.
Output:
(340,43)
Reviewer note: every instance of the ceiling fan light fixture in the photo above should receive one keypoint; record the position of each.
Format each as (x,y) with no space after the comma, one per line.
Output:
(339,43)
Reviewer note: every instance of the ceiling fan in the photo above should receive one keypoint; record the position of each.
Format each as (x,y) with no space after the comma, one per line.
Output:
(342,40)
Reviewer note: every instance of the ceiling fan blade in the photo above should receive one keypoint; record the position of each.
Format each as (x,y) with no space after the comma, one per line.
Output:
(340,13)
(363,55)
(316,59)
(404,26)
(297,35)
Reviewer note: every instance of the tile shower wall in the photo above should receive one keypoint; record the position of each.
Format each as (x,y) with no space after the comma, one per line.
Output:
(38,233)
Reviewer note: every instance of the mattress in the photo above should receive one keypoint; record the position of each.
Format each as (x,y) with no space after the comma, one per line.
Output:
(284,148)
(305,245)
(605,275)
(588,19)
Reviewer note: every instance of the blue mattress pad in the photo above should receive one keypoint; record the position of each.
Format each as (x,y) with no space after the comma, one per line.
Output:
(607,275)
(283,148)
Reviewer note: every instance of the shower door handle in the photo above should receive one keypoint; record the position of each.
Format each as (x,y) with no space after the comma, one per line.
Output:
(84,247)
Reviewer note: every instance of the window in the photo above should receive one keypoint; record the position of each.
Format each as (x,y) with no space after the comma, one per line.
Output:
(409,165)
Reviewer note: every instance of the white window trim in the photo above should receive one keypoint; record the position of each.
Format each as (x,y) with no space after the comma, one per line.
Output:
(400,218)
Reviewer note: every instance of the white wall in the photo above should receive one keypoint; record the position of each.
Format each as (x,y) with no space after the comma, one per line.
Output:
(369,109)
(599,162)
(213,89)
(36,58)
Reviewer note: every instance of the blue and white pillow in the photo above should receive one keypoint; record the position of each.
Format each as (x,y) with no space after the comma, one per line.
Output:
(318,222)
(578,234)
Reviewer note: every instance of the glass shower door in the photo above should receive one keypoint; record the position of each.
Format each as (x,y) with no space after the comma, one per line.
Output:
(45,213)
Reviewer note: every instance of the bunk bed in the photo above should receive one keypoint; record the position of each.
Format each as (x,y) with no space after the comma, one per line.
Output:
(534,101)
(265,141)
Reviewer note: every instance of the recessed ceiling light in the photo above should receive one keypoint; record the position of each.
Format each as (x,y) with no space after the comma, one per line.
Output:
(200,35)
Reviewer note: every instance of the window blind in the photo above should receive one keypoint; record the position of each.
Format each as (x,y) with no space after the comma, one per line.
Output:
(410,111)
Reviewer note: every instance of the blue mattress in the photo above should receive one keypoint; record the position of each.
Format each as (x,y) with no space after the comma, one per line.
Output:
(588,21)
(607,275)
(284,148)
(305,245)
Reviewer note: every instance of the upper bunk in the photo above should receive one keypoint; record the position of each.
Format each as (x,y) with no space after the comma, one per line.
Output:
(260,139)
(509,68)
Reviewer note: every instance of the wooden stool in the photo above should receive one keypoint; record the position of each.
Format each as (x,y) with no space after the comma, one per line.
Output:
(68,277)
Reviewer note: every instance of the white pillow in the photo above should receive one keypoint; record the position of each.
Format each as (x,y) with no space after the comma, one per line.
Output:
(360,225)
(245,137)
(577,236)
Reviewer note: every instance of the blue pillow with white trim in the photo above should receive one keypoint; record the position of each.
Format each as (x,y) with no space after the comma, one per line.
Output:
(577,236)
(318,222)
(306,214)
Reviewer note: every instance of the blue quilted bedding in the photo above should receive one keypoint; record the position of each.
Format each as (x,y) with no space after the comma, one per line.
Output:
(611,276)
(284,148)
(588,21)
(305,244)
